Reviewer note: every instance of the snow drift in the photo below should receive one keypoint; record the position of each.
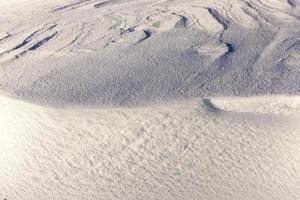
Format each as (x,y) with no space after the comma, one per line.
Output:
(186,150)
(149,99)
(135,52)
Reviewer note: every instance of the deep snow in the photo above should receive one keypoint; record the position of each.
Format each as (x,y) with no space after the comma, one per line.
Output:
(149,99)
(186,150)
(135,52)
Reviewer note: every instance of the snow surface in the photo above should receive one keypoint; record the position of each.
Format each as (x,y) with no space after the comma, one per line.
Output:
(129,52)
(186,150)
(150,99)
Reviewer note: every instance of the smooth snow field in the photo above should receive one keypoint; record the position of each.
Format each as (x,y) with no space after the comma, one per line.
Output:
(150,99)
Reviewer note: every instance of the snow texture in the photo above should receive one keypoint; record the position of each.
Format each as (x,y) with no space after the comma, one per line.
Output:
(150,99)
(199,149)
(121,52)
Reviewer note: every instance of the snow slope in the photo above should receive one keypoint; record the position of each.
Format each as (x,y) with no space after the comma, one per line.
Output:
(184,150)
(149,99)
(127,52)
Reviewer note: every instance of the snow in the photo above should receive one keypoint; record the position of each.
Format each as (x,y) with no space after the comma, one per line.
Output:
(138,52)
(149,99)
(187,150)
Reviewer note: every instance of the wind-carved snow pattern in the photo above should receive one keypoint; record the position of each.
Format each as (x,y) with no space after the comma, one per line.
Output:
(132,99)
(233,45)
(217,48)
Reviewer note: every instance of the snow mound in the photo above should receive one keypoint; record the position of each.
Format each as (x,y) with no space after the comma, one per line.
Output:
(132,52)
(184,150)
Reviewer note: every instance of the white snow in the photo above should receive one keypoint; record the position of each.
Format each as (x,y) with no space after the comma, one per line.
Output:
(149,99)
(186,150)
(125,52)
